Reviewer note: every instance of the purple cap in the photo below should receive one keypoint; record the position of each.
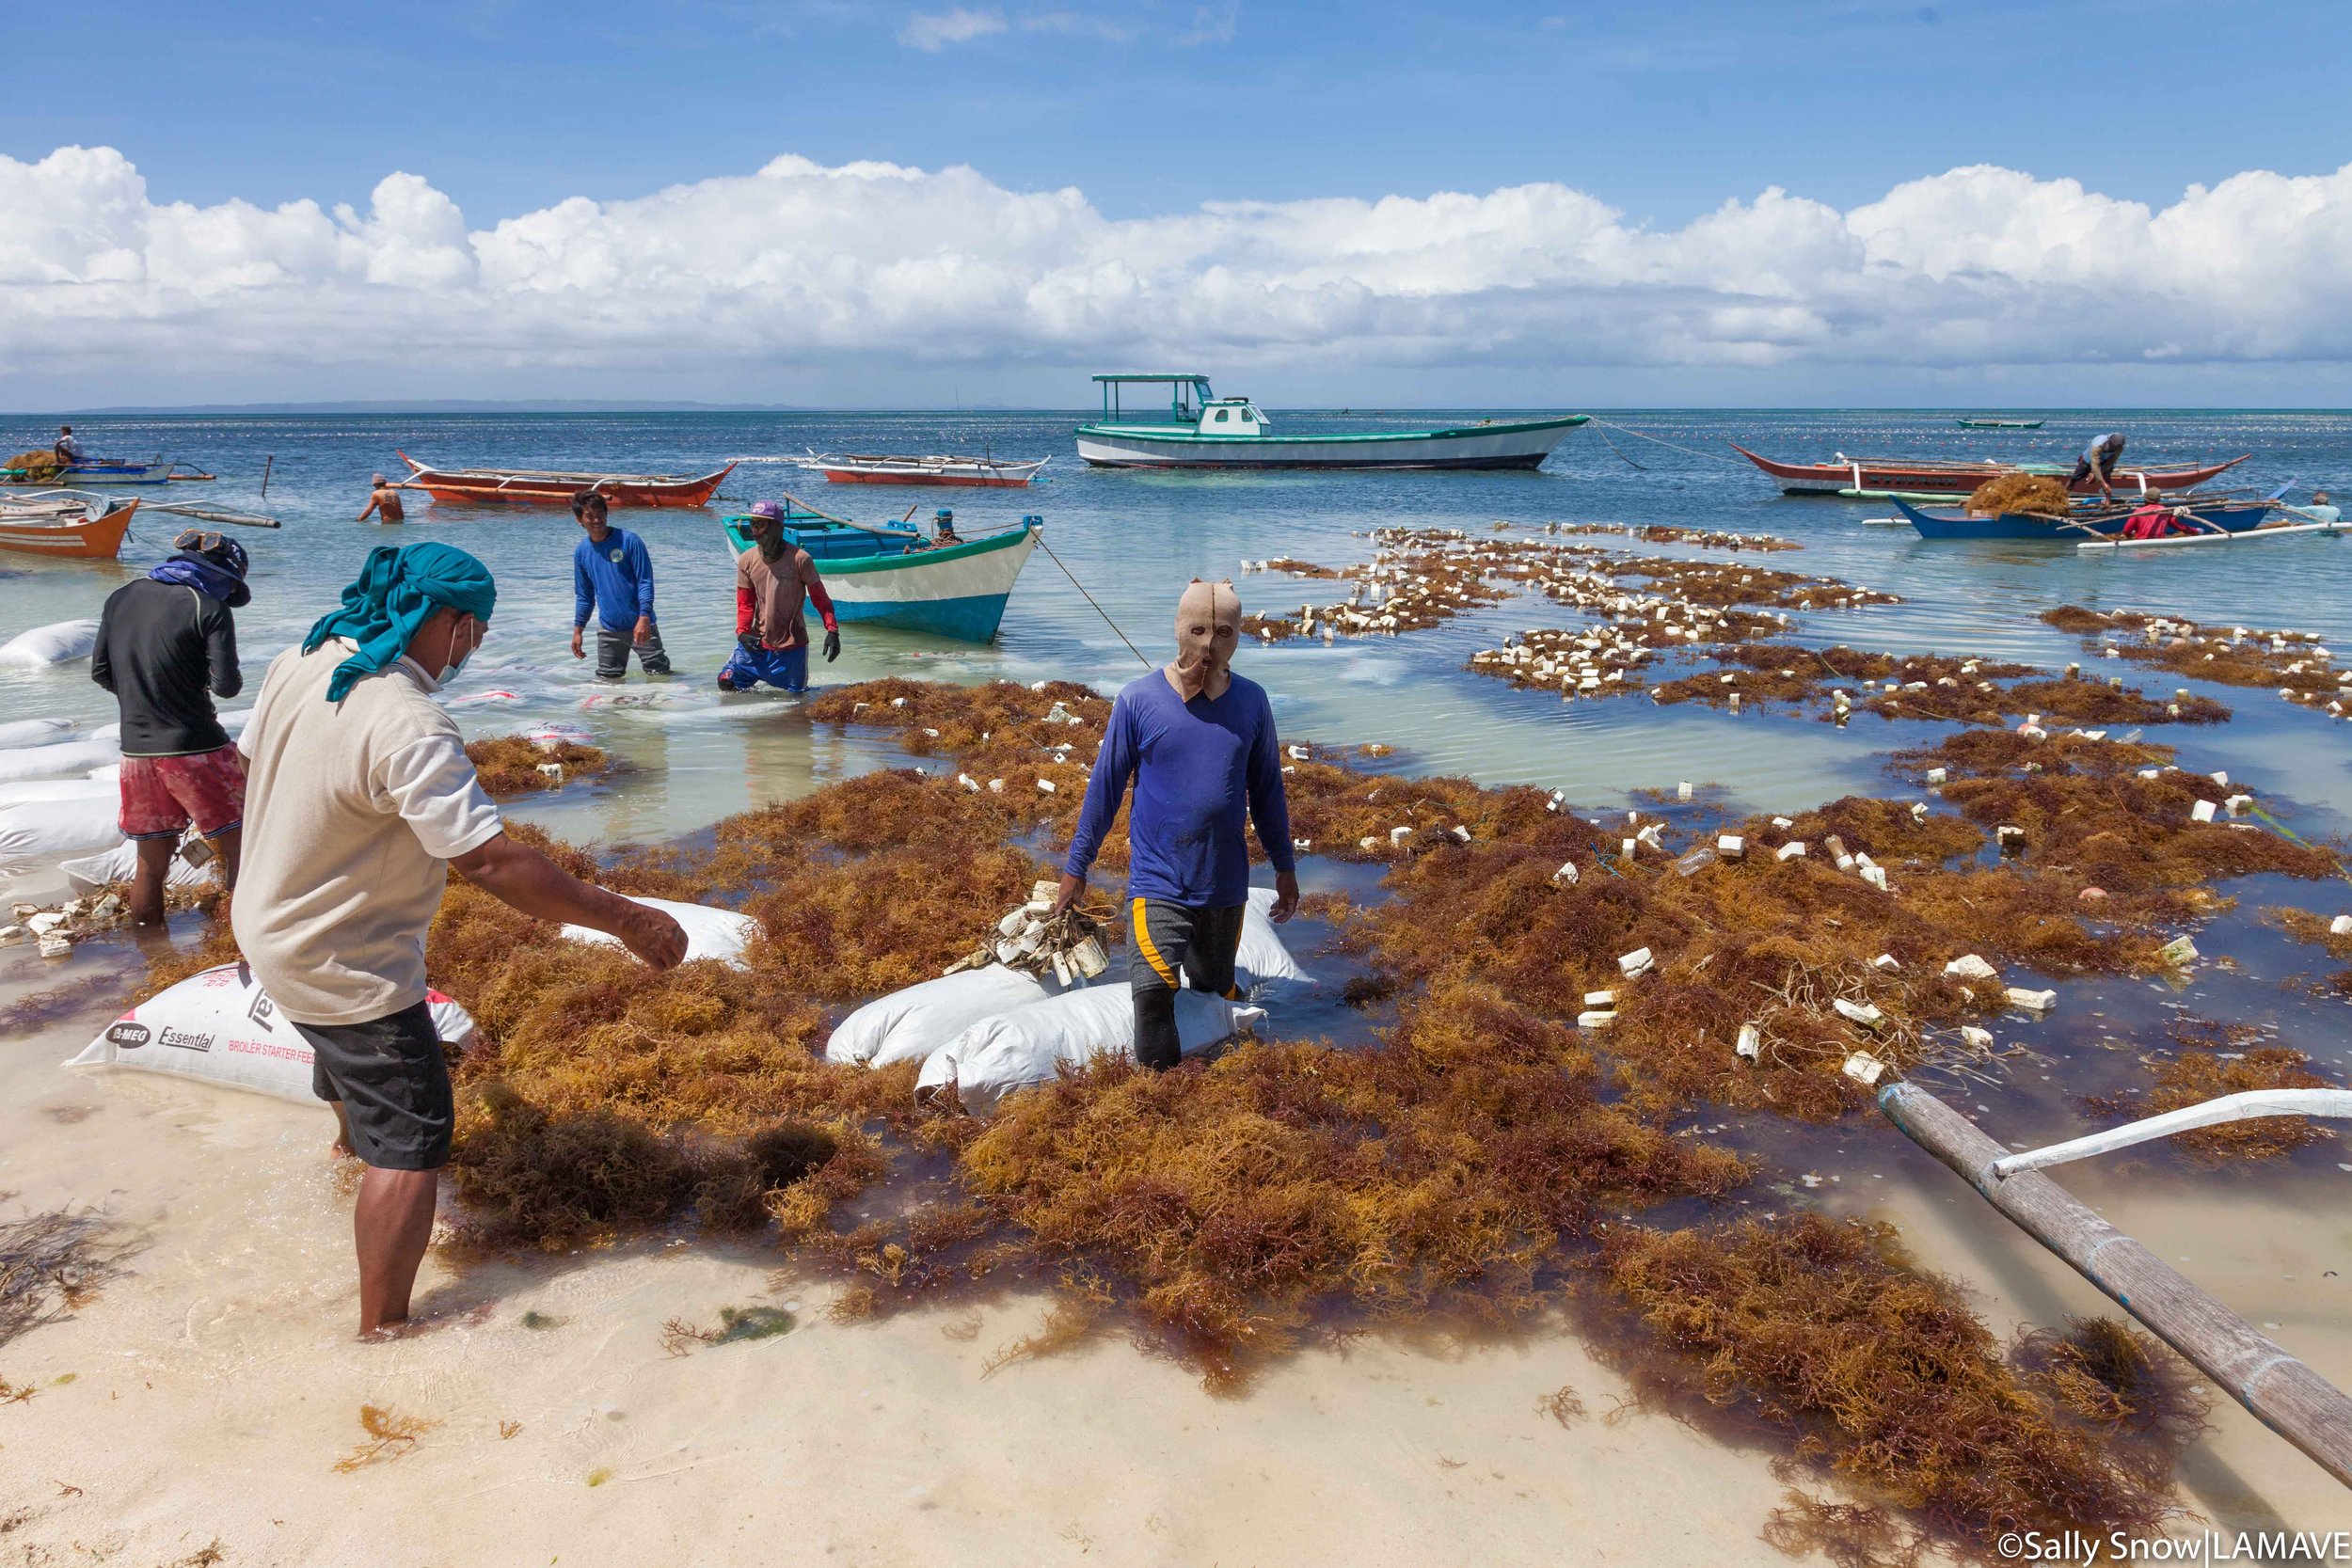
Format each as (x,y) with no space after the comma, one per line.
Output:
(772,511)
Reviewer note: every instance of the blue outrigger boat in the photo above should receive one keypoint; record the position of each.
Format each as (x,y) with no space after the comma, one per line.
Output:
(2239,517)
(107,471)
(890,576)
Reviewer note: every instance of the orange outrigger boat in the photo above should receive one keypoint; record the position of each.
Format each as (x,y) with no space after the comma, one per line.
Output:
(52,530)
(499,487)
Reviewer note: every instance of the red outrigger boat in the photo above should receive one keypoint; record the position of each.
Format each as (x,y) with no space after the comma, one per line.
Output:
(496,486)
(53,530)
(1928,476)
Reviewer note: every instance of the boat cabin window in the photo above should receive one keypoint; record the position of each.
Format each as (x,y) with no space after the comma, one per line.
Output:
(1222,415)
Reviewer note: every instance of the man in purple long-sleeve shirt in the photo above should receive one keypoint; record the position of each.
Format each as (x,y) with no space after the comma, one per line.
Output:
(1198,743)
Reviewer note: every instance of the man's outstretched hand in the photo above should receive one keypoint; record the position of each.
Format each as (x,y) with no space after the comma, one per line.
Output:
(524,878)
(1072,889)
(653,936)
(1285,897)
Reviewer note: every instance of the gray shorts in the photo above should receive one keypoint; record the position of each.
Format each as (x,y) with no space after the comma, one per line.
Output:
(613,652)
(391,1077)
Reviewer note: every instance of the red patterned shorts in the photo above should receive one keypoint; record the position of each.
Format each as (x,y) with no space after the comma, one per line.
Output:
(161,796)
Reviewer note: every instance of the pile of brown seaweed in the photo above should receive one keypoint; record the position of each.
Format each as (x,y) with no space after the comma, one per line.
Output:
(2305,926)
(1463,1165)
(2297,663)
(1421,578)
(2212,1059)
(510,765)
(2062,856)
(2032,495)
(1878,1371)
(1668,534)
(1596,663)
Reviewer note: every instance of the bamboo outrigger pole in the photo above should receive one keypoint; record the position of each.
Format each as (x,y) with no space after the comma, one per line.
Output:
(2284,1395)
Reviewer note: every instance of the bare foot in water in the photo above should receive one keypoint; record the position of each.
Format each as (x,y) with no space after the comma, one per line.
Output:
(427,1323)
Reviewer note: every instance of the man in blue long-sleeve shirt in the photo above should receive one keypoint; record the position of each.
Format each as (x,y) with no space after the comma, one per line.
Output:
(613,574)
(1198,743)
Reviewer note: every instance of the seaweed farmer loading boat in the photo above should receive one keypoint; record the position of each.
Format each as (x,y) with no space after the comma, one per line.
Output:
(1198,742)
(2098,464)
(359,798)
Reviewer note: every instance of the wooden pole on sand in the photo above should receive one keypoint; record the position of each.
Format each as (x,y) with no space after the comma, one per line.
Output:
(2285,1395)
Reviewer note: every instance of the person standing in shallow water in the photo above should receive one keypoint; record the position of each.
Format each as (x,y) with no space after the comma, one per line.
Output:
(382,503)
(360,799)
(612,576)
(1199,744)
(771,578)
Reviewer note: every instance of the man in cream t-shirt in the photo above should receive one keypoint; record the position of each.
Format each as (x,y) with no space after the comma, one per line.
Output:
(359,798)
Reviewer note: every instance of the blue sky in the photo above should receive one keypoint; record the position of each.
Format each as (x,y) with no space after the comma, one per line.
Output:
(1664,110)
(842,201)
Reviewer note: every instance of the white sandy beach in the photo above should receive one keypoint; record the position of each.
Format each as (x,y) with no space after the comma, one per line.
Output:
(207,1393)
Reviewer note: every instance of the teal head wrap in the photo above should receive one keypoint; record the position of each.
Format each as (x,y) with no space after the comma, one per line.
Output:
(396,592)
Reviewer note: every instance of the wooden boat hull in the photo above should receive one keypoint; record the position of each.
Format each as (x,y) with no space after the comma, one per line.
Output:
(978,473)
(1827,479)
(495,487)
(97,539)
(956,593)
(1998,425)
(872,475)
(1948,525)
(1522,444)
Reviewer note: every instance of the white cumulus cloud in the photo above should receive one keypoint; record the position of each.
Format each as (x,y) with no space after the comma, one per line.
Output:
(932,31)
(805,274)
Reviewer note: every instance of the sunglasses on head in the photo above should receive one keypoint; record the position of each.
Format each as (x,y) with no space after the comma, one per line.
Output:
(203,540)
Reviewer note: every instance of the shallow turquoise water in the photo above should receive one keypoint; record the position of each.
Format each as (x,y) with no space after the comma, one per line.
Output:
(1135,538)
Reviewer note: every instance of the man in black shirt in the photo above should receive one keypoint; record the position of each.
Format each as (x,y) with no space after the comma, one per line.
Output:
(166,646)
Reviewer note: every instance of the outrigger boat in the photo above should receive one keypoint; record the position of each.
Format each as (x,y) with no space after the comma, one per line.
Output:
(1234,433)
(993,473)
(2244,536)
(66,528)
(2234,518)
(532,487)
(886,576)
(110,472)
(1938,477)
(1998,425)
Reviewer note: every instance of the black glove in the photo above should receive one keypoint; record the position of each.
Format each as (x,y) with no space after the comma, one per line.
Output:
(833,647)
(747,640)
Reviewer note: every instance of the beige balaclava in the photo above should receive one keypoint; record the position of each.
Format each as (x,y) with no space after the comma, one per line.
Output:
(1208,626)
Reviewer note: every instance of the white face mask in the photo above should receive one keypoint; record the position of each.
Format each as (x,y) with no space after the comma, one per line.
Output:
(457,660)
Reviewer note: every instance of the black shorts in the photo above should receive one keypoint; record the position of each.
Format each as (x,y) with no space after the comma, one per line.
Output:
(1180,938)
(392,1078)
